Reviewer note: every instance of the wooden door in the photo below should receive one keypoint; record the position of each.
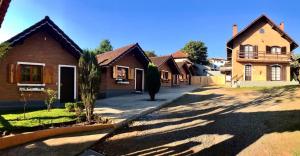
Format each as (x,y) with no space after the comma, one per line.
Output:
(67,84)
(139,80)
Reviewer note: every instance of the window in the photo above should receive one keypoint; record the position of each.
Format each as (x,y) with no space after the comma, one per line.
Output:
(275,50)
(32,74)
(275,73)
(249,51)
(122,73)
(165,75)
(262,31)
(248,72)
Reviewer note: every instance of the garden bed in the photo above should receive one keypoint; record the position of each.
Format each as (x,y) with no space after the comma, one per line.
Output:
(14,121)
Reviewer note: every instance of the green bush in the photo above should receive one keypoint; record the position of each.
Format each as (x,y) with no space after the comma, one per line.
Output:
(79,105)
(153,80)
(70,107)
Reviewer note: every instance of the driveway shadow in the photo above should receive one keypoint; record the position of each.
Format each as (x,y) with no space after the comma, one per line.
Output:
(244,127)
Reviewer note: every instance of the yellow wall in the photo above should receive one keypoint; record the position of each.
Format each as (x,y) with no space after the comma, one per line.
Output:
(270,38)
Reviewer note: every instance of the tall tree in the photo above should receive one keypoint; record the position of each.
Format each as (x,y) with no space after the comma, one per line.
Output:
(89,79)
(295,68)
(150,53)
(104,46)
(153,80)
(197,52)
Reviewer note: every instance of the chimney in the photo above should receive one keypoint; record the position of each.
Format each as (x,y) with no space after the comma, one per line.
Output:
(234,30)
(281,26)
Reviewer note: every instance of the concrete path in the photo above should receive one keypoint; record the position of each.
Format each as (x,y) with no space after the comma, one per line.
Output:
(124,107)
(121,109)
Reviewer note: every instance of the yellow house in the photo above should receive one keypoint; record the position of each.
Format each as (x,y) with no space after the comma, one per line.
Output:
(260,54)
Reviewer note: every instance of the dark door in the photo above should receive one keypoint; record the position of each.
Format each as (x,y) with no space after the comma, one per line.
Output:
(66,84)
(139,80)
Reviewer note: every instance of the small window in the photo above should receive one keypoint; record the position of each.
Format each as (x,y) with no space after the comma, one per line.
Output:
(275,50)
(165,75)
(262,31)
(31,74)
(122,73)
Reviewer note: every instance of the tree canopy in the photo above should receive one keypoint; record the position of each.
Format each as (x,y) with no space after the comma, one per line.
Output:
(104,46)
(150,53)
(295,67)
(197,52)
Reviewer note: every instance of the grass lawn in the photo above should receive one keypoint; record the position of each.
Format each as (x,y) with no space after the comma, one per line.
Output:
(14,120)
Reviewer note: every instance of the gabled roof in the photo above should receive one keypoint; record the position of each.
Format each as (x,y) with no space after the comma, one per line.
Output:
(109,57)
(161,60)
(179,54)
(184,66)
(269,21)
(4,4)
(48,25)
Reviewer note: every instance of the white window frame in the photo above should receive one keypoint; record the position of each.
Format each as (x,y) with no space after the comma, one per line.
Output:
(163,73)
(277,50)
(75,79)
(32,64)
(245,71)
(143,79)
(123,82)
(280,72)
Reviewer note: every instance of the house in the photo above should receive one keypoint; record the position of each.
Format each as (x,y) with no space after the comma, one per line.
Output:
(216,63)
(169,70)
(123,71)
(42,56)
(260,54)
(4,4)
(186,74)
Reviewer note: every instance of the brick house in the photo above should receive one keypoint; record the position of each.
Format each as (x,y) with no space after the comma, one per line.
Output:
(41,57)
(123,70)
(260,54)
(169,70)
(186,74)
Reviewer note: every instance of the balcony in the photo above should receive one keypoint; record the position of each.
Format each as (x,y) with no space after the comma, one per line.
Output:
(262,56)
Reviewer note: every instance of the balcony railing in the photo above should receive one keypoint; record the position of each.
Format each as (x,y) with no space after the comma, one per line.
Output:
(262,56)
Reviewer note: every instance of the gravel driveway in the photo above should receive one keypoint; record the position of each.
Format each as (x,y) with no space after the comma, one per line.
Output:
(216,121)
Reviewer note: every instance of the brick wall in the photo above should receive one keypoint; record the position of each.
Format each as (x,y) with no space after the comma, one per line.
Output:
(38,48)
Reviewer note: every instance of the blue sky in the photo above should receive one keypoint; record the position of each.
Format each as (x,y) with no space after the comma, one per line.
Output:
(160,25)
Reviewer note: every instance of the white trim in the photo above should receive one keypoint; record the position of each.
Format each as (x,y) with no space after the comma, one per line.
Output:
(122,66)
(142,78)
(75,79)
(25,84)
(32,63)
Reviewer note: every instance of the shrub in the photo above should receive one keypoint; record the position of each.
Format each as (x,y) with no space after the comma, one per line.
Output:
(79,105)
(70,107)
(50,98)
(153,80)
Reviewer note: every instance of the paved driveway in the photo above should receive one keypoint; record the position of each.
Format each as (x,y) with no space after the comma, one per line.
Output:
(216,121)
(123,107)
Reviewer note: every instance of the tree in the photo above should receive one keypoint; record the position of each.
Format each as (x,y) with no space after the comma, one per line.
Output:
(150,53)
(295,67)
(4,47)
(197,52)
(50,98)
(89,79)
(153,80)
(104,46)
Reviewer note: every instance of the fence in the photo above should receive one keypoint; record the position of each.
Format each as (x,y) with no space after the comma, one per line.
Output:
(208,80)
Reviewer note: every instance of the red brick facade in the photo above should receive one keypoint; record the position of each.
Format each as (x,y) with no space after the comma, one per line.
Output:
(38,48)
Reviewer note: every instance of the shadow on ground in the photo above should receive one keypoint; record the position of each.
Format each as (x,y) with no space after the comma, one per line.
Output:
(244,127)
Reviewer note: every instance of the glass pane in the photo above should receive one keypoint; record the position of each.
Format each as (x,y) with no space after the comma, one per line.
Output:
(37,74)
(122,73)
(25,73)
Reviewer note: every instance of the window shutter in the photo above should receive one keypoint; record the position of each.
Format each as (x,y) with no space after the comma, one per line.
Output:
(11,73)
(269,74)
(115,74)
(255,48)
(161,75)
(242,48)
(18,73)
(283,73)
(131,73)
(169,76)
(268,49)
(283,50)
(48,75)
